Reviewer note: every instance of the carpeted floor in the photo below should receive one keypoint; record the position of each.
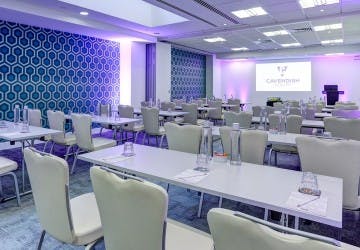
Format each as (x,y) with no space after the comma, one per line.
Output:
(20,229)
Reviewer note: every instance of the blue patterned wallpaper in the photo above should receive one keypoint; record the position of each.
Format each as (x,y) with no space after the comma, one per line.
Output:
(56,70)
(188,74)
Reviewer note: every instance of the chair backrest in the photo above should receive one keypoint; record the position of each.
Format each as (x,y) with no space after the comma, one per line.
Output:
(151,120)
(56,121)
(252,144)
(82,129)
(167,105)
(295,111)
(328,157)
(185,138)
(126,111)
(237,231)
(256,111)
(309,114)
(274,120)
(191,116)
(178,102)
(217,112)
(319,107)
(133,213)
(346,113)
(270,110)
(35,117)
(49,179)
(243,118)
(235,102)
(293,124)
(278,106)
(346,107)
(294,103)
(144,104)
(343,128)
(105,109)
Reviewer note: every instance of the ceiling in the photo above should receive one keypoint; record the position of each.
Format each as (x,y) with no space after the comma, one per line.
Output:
(201,19)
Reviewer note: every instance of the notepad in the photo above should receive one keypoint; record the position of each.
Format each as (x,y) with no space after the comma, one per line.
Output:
(191,175)
(115,159)
(316,205)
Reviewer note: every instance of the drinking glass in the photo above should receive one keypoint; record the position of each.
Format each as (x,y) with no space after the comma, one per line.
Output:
(202,163)
(128,149)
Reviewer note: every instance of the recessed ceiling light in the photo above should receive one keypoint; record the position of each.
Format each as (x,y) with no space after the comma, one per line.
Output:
(332,41)
(214,39)
(84,13)
(276,33)
(256,11)
(225,24)
(334,54)
(239,49)
(334,26)
(291,45)
(322,10)
(313,3)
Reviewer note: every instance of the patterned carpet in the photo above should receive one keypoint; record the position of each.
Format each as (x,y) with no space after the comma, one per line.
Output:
(20,229)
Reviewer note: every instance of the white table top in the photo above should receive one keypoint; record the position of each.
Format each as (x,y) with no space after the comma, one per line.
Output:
(164,113)
(12,132)
(328,110)
(323,115)
(199,108)
(257,185)
(283,139)
(305,123)
(109,120)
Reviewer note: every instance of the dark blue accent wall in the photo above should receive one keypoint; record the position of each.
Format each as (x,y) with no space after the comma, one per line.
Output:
(188,74)
(49,69)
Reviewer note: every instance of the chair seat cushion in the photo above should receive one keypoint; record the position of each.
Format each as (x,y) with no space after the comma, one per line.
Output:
(86,219)
(136,128)
(7,165)
(180,236)
(70,139)
(200,122)
(179,119)
(285,148)
(101,143)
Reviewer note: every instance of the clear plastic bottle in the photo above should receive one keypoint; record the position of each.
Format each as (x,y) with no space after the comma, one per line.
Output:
(235,135)
(263,116)
(206,141)
(98,109)
(25,120)
(282,122)
(16,114)
(158,103)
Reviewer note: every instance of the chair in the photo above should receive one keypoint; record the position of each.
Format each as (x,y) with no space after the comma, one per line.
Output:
(243,118)
(35,117)
(128,112)
(343,128)
(191,116)
(185,138)
(274,120)
(256,111)
(295,111)
(105,110)
(235,102)
(215,114)
(352,114)
(337,158)
(151,124)
(165,106)
(57,121)
(84,139)
(178,102)
(232,230)
(309,114)
(134,215)
(73,221)
(7,167)
(278,106)
(270,110)
(293,125)
(294,103)
(144,104)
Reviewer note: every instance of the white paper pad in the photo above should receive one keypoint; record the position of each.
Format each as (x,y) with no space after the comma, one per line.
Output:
(115,159)
(191,175)
(316,207)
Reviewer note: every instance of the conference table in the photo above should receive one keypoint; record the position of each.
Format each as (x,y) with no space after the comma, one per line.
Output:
(322,115)
(327,110)
(164,113)
(305,123)
(252,184)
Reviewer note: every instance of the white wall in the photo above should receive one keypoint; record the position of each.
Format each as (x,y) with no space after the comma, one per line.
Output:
(237,77)
(163,71)
(138,73)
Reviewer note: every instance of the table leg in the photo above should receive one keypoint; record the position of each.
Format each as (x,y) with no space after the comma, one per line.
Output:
(296,226)
(23,166)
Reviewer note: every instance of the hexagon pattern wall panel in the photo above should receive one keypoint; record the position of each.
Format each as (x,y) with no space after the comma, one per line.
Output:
(188,74)
(55,70)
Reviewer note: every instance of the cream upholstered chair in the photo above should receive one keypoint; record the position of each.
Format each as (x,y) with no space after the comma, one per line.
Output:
(165,106)
(144,104)
(178,102)
(126,111)
(238,231)
(7,167)
(235,102)
(270,110)
(278,106)
(343,128)
(243,118)
(35,117)
(252,144)
(84,139)
(185,138)
(274,120)
(309,114)
(57,121)
(256,111)
(319,106)
(215,114)
(295,111)
(134,215)
(293,125)
(105,110)
(191,116)
(73,221)
(294,103)
(151,124)
(337,158)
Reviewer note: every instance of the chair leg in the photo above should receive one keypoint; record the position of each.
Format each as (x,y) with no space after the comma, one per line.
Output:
(269,158)
(143,142)
(276,158)
(161,141)
(67,152)
(156,139)
(75,160)
(101,129)
(135,136)
(52,148)
(220,201)
(1,189)
(41,240)
(200,205)
(46,143)
(167,187)
(16,188)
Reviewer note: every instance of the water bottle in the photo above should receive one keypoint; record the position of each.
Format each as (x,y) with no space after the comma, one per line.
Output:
(16,114)
(158,103)
(282,123)
(206,141)
(235,144)
(109,111)
(150,102)
(262,123)
(225,100)
(25,121)
(98,109)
